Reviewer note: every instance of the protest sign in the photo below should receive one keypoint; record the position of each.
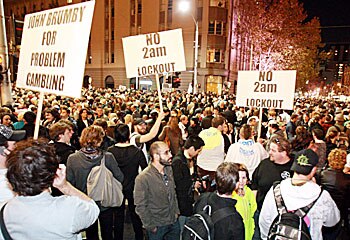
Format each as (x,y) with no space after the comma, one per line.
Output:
(53,49)
(154,53)
(271,89)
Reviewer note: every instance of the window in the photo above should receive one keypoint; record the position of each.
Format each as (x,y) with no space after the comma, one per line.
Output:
(219,28)
(214,56)
(211,28)
(216,28)
(217,3)
(139,8)
(170,5)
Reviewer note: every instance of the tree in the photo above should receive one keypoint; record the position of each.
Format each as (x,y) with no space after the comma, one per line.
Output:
(279,36)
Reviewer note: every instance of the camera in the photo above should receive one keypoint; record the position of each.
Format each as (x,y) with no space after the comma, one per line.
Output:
(205,179)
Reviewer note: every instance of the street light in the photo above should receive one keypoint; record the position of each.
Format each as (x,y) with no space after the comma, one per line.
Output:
(184,6)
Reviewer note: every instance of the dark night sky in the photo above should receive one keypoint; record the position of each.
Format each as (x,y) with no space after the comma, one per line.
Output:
(334,16)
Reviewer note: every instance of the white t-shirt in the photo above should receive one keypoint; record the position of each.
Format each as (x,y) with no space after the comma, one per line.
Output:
(248,153)
(46,217)
(5,188)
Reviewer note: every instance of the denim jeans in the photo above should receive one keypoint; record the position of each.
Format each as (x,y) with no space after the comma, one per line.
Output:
(256,235)
(167,232)
(182,221)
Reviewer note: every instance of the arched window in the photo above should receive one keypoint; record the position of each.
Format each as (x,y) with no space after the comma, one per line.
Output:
(109,82)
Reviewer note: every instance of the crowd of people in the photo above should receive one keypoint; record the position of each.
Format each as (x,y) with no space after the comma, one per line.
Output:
(200,149)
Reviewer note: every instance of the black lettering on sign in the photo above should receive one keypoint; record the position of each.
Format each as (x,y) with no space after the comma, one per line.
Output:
(265,87)
(264,103)
(154,52)
(152,38)
(265,76)
(49,38)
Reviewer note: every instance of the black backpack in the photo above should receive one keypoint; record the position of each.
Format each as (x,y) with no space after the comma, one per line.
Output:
(289,224)
(201,225)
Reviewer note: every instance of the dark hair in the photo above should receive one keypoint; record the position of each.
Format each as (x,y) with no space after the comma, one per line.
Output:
(294,115)
(59,128)
(282,143)
(195,120)
(122,133)
(54,112)
(217,121)
(243,168)
(226,177)
(319,134)
(101,122)
(2,115)
(29,117)
(194,141)
(31,167)
(64,107)
(246,131)
(82,110)
(154,148)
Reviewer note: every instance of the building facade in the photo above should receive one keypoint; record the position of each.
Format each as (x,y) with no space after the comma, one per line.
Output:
(116,19)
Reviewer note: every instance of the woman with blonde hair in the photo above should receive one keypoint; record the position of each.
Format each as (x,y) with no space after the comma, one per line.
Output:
(331,139)
(79,165)
(172,135)
(128,121)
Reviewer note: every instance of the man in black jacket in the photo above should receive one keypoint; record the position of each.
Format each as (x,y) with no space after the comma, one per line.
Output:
(230,227)
(182,176)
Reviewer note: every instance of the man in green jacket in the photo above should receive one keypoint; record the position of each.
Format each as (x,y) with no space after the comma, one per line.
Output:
(155,196)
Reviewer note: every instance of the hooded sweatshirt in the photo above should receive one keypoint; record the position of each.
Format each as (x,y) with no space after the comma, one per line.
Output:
(323,213)
(246,206)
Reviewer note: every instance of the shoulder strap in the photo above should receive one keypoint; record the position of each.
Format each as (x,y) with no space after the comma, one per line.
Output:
(103,160)
(4,231)
(301,212)
(222,213)
(278,198)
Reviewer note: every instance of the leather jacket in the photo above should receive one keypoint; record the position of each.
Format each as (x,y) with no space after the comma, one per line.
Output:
(337,184)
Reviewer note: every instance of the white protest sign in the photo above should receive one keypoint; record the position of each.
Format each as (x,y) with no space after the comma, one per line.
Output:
(272,89)
(53,49)
(154,53)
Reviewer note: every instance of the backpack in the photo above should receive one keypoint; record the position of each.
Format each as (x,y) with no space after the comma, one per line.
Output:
(289,224)
(103,187)
(201,225)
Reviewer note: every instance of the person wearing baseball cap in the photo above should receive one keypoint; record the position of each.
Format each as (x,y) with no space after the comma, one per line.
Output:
(140,136)
(298,192)
(304,162)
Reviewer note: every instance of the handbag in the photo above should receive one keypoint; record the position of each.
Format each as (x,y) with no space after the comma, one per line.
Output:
(4,231)
(103,187)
